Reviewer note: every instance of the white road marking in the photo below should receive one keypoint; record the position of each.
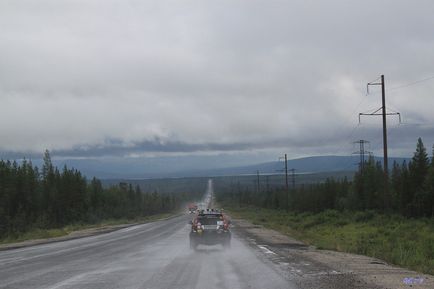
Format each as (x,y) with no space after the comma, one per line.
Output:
(130,228)
(266,250)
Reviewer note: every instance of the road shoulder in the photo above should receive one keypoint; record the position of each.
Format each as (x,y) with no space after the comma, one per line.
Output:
(313,268)
(79,234)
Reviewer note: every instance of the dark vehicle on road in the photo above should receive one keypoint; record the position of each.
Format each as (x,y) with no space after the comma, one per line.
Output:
(210,227)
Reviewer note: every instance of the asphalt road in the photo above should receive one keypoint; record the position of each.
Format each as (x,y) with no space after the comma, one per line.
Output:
(153,255)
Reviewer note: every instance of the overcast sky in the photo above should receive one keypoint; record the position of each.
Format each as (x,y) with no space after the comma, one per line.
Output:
(143,78)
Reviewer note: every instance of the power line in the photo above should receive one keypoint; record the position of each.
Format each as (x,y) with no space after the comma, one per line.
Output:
(393,112)
(411,83)
(378,78)
(350,135)
(373,82)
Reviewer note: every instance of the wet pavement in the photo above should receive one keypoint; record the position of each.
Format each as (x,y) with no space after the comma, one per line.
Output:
(153,255)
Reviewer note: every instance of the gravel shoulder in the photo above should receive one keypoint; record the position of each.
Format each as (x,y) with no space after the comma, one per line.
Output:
(313,268)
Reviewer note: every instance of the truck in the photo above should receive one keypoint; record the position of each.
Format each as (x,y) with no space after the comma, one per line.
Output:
(192,207)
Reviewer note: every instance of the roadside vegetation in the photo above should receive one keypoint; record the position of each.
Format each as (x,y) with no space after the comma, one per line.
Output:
(51,202)
(358,216)
(393,238)
(40,233)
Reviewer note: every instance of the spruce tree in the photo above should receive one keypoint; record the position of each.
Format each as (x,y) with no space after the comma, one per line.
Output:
(47,167)
(429,189)
(418,170)
(396,181)
(419,166)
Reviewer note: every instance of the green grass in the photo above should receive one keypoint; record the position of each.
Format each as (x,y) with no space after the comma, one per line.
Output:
(38,233)
(405,242)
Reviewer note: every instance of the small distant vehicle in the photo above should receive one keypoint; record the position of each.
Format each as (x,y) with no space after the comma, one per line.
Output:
(210,227)
(192,208)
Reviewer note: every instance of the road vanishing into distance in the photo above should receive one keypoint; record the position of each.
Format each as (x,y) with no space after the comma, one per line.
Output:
(152,255)
(155,256)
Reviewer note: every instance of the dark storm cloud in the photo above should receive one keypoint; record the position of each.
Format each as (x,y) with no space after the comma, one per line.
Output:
(403,134)
(203,76)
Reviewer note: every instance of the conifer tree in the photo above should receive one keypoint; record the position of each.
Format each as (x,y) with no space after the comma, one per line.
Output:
(419,165)
(396,181)
(418,170)
(429,189)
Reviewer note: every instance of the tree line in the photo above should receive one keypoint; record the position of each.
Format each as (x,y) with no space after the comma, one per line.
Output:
(409,192)
(48,198)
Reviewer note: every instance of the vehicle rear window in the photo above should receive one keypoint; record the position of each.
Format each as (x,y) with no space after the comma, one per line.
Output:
(208,220)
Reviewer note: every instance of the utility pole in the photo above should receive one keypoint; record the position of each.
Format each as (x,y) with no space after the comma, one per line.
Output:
(286,183)
(362,153)
(385,158)
(267,191)
(267,183)
(293,178)
(239,194)
(257,180)
(384,116)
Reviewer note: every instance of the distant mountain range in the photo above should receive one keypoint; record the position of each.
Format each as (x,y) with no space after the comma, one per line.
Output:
(168,168)
(316,164)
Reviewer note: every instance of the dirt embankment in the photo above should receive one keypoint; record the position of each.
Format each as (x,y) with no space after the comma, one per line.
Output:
(313,268)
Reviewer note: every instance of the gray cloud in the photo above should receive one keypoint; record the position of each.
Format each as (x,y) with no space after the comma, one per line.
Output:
(210,76)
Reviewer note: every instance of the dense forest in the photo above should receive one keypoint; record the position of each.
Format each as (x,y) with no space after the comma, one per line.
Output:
(49,198)
(409,192)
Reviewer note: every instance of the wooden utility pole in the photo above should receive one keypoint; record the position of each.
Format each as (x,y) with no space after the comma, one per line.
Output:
(385,158)
(384,116)
(293,178)
(257,180)
(239,194)
(286,183)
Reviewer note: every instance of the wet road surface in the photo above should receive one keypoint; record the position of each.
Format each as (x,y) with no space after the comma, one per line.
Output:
(153,255)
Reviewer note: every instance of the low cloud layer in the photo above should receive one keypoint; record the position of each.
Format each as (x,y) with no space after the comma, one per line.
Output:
(125,78)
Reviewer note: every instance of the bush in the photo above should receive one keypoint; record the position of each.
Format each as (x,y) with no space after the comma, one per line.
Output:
(365,216)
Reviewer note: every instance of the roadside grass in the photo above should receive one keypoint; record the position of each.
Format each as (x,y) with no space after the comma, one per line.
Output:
(39,233)
(404,242)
